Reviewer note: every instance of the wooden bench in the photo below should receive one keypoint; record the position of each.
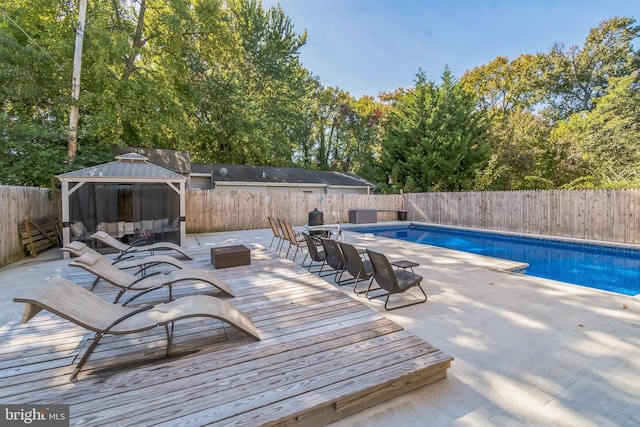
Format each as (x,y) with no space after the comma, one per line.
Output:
(41,233)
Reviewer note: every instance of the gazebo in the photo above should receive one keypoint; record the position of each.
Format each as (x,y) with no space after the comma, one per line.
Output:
(128,198)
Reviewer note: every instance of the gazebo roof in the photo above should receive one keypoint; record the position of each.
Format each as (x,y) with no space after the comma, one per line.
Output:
(131,167)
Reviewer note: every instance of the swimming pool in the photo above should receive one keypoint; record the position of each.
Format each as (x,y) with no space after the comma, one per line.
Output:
(602,267)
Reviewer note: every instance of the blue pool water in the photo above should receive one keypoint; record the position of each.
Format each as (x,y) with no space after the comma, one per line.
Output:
(601,267)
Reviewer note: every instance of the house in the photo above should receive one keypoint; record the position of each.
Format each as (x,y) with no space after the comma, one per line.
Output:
(225,177)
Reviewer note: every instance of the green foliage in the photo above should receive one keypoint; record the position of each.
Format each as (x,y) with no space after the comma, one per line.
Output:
(33,78)
(572,80)
(604,142)
(558,117)
(605,182)
(222,80)
(344,133)
(435,140)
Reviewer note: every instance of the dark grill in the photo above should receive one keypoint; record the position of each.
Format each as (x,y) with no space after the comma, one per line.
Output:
(315,218)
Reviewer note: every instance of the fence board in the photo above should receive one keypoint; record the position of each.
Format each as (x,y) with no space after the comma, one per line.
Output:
(18,204)
(608,215)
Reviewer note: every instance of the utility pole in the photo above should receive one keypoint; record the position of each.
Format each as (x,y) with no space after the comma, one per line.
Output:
(75,82)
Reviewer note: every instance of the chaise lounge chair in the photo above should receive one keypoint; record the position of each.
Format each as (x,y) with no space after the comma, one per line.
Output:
(141,264)
(78,249)
(125,249)
(77,305)
(100,267)
(335,259)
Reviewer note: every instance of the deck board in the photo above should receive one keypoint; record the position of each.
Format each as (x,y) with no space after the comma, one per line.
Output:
(322,356)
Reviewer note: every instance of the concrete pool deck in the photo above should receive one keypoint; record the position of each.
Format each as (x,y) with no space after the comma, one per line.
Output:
(527,351)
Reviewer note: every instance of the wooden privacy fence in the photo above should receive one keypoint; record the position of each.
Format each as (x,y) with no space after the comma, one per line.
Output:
(587,214)
(210,210)
(21,204)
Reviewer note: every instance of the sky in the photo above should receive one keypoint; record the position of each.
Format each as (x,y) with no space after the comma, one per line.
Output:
(366,47)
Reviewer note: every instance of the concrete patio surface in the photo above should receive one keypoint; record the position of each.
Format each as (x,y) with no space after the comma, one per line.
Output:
(527,351)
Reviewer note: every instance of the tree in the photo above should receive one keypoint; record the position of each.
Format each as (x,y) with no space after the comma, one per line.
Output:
(250,96)
(321,150)
(529,100)
(506,93)
(605,142)
(220,79)
(343,133)
(361,131)
(35,81)
(572,79)
(503,86)
(435,140)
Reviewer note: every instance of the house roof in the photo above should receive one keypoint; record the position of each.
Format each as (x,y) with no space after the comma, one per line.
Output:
(127,167)
(266,174)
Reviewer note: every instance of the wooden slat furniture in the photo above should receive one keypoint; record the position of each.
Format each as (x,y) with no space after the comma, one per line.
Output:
(323,356)
(38,234)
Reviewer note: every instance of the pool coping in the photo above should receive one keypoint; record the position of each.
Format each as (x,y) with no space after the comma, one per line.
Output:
(349,226)
(520,265)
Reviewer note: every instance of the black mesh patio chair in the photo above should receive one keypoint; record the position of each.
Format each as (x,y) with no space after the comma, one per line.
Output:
(314,253)
(393,281)
(335,259)
(360,269)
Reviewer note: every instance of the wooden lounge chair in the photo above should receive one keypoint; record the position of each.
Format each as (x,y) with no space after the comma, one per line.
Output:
(392,281)
(77,305)
(99,266)
(126,249)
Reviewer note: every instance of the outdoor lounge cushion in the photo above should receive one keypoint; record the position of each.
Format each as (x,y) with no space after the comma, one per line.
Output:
(77,305)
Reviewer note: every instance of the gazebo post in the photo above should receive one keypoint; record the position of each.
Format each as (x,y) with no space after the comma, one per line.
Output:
(66,237)
(183,211)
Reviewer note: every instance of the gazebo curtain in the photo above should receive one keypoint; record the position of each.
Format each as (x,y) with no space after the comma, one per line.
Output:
(94,203)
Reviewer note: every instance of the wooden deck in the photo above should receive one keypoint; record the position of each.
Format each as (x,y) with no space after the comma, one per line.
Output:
(323,356)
